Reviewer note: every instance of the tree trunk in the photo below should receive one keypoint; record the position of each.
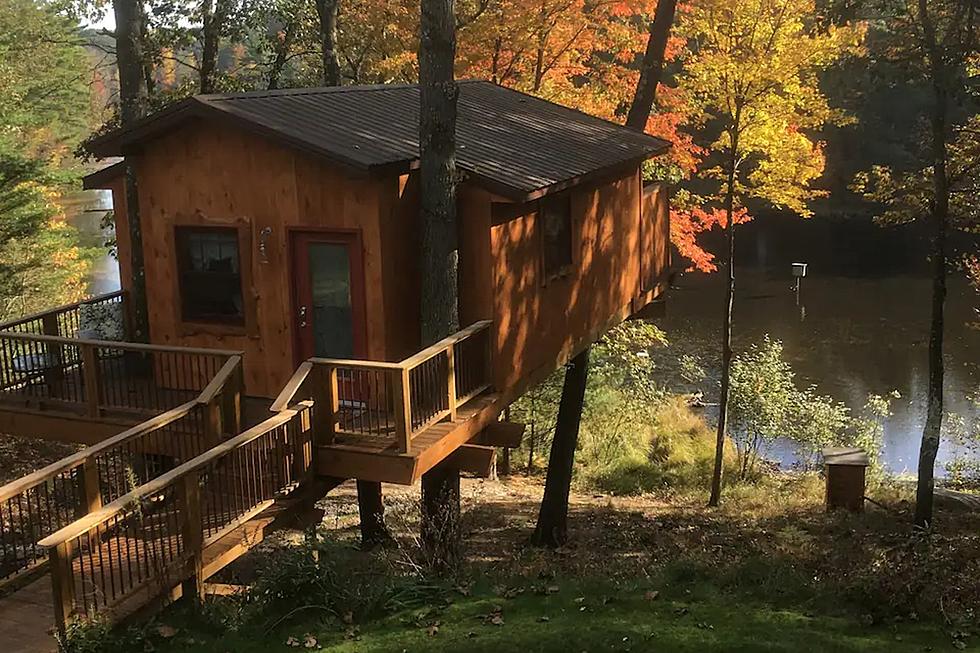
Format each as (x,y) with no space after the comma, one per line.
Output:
(282,52)
(440,515)
(438,255)
(940,215)
(726,334)
(370,507)
(653,65)
(552,527)
(132,106)
(326,10)
(214,16)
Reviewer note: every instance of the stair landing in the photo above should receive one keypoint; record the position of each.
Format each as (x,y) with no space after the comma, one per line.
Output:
(380,460)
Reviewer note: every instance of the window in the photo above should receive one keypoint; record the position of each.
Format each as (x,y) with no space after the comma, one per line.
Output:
(556,230)
(209,271)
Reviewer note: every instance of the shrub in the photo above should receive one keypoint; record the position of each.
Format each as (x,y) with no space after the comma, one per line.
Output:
(321,575)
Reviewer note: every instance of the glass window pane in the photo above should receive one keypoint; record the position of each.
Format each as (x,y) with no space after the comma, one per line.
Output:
(210,279)
(332,310)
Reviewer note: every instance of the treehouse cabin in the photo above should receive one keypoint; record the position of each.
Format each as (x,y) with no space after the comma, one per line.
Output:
(280,240)
(283,226)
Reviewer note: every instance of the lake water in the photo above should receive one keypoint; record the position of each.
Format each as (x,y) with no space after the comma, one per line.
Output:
(85,210)
(860,327)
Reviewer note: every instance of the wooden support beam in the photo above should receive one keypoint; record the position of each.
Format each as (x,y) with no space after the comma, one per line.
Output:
(62,584)
(507,435)
(192,531)
(91,375)
(474,458)
(91,490)
(403,411)
(451,380)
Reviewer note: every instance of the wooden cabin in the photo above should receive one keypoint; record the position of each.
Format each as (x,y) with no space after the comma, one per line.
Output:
(285,224)
(280,244)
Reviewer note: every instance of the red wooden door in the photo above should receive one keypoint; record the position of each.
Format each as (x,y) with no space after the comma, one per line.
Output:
(328,295)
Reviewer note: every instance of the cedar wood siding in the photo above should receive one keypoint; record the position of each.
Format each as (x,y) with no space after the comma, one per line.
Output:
(213,174)
(224,175)
(541,324)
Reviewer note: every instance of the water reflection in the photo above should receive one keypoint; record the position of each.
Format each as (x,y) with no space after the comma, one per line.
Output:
(84,210)
(849,336)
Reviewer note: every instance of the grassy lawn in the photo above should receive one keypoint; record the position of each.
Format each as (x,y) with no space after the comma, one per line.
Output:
(769,571)
(571,616)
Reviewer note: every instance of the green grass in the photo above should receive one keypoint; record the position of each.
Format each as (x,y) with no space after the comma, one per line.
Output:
(579,616)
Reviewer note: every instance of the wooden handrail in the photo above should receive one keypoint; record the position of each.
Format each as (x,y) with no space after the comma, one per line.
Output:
(77,459)
(210,392)
(120,344)
(396,378)
(445,343)
(356,364)
(150,488)
(60,309)
(295,382)
(217,384)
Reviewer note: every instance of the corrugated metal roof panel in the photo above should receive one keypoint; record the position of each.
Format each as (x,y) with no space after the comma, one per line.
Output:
(507,138)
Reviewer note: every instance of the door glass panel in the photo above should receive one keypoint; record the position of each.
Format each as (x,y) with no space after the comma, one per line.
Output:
(333,324)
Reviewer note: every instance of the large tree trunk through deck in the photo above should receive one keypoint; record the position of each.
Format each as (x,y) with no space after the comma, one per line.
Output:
(552,527)
(932,430)
(371,509)
(653,65)
(132,105)
(439,255)
(440,516)
(326,11)
(726,334)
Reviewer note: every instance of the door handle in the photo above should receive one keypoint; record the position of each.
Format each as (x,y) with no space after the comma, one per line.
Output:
(302,317)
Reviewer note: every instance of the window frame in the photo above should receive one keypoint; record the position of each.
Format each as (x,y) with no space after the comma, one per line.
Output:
(193,326)
(565,269)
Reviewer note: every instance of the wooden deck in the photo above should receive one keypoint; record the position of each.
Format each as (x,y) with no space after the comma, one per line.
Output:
(116,551)
(28,614)
(380,459)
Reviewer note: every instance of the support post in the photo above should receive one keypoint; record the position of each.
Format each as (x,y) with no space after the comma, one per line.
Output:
(214,422)
(326,404)
(440,515)
(92,378)
(451,380)
(91,490)
(232,402)
(192,532)
(370,507)
(54,373)
(62,584)
(403,411)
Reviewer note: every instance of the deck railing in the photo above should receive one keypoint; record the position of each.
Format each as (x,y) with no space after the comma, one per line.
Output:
(67,321)
(154,538)
(98,377)
(41,503)
(393,401)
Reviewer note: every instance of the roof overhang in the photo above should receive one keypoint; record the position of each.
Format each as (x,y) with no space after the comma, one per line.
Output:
(130,140)
(104,177)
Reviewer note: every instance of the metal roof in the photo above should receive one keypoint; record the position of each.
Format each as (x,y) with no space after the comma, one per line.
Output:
(508,141)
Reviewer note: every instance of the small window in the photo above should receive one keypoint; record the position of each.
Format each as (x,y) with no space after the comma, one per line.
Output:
(209,269)
(556,229)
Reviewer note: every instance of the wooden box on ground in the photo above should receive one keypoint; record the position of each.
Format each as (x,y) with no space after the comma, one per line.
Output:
(845,469)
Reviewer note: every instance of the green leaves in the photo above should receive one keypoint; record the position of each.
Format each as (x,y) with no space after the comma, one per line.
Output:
(751,76)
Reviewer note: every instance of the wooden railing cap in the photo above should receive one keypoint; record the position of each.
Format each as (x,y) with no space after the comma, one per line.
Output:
(82,525)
